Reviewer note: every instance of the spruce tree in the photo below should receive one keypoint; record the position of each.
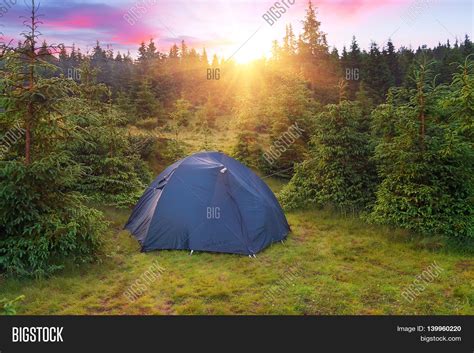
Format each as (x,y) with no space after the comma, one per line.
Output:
(44,221)
(354,64)
(377,76)
(339,172)
(424,157)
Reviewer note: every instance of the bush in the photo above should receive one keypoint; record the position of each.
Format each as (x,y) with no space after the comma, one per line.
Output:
(425,159)
(43,221)
(287,148)
(247,149)
(339,172)
(115,181)
(114,174)
(301,191)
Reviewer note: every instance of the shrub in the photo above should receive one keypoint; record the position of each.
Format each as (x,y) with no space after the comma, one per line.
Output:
(115,181)
(247,149)
(339,172)
(114,174)
(43,221)
(426,159)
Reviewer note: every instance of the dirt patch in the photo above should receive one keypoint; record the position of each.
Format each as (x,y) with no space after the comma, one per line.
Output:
(465,265)
(167,308)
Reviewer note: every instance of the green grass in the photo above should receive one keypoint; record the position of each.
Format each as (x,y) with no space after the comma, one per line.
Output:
(339,265)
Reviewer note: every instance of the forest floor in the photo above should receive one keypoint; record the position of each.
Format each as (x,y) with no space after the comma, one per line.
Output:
(329,264)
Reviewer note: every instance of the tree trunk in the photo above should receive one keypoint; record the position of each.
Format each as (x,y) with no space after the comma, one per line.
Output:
(422,120)
(31,86)
(28,144)
(422,103)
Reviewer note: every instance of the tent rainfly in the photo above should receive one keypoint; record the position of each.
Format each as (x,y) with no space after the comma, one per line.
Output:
(208,202)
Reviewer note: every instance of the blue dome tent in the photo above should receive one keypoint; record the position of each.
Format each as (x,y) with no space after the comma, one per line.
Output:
(208,202)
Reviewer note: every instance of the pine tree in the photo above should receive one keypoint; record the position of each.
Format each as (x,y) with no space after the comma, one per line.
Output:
(183,52)
(215,61)
(204,58)
(146,104)
(314,59)
(339,172)
(276,51)
(289,43)
(152,53)
(180,116)
(405,58)
(34,100)
(313,40)
(425,159)
(468,48)
(354,68)
(44,221)
(391,58)
(174,52)
(142,52)
(377,75)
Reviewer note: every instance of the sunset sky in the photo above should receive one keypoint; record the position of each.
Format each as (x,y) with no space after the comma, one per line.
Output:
(222,26)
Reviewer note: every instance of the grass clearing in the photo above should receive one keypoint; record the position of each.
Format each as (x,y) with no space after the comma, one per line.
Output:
(340,265)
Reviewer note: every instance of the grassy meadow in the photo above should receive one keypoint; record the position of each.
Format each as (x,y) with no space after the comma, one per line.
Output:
(343,267)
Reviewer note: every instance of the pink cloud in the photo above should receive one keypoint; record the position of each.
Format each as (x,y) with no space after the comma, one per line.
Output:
(353,8)
(74,21)
(105,22)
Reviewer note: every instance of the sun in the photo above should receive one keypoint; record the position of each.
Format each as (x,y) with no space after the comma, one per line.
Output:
(250,49)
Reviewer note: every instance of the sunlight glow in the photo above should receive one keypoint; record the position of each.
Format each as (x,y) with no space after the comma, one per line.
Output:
(250,49)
